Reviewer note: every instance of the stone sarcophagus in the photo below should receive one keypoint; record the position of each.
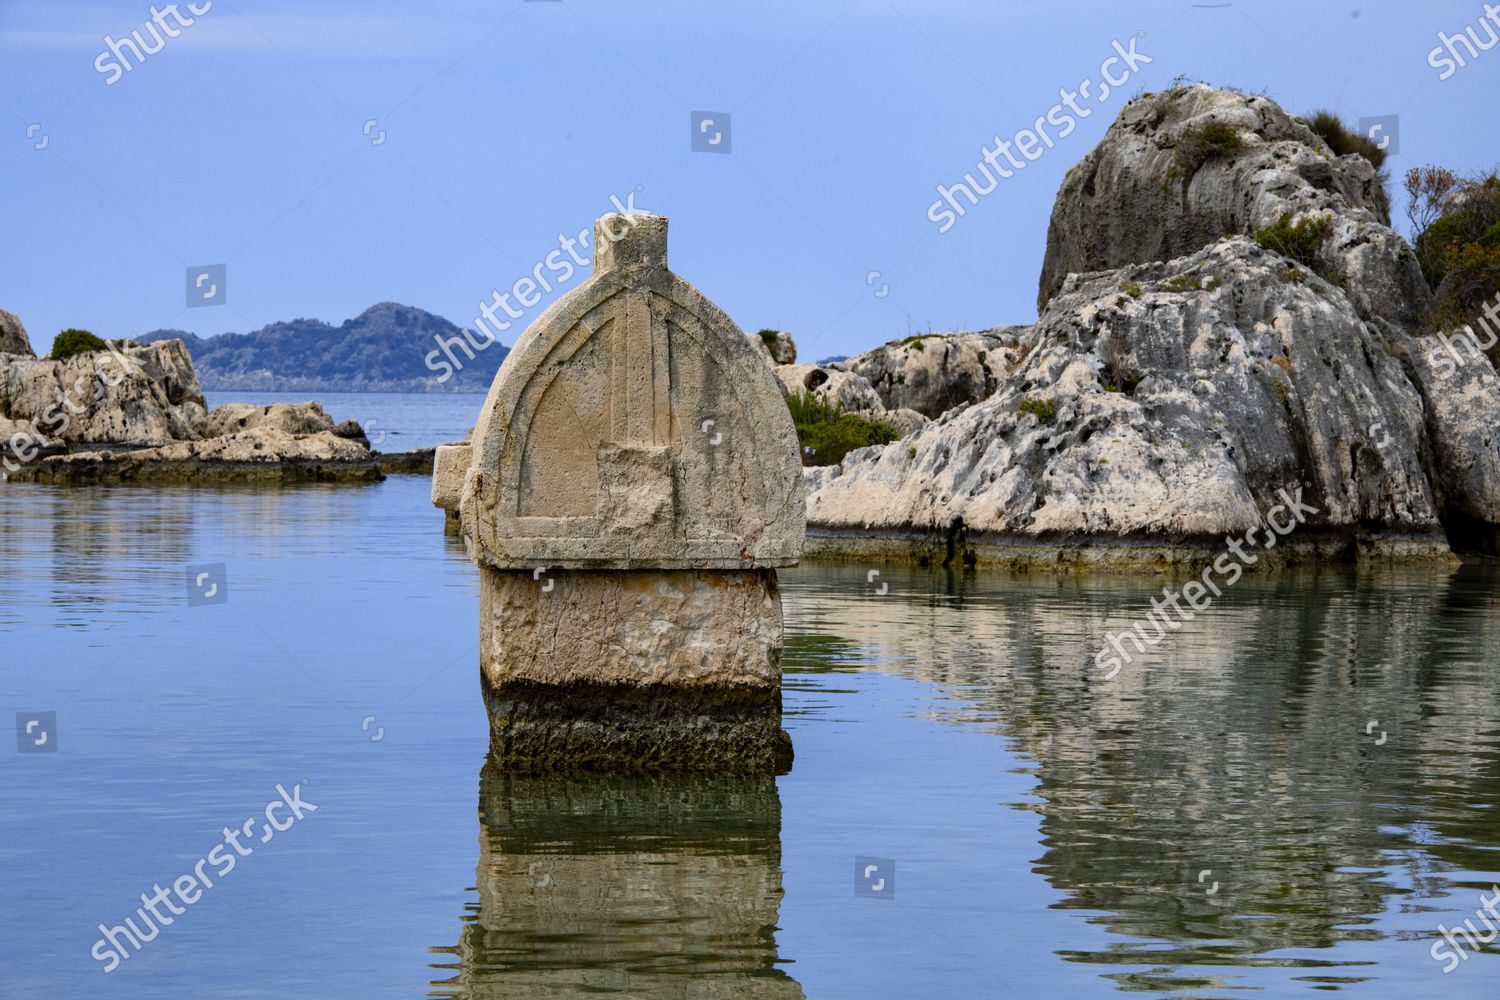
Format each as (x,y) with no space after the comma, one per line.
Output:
(630,488)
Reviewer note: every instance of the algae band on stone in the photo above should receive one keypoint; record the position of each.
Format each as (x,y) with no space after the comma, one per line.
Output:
(629,614)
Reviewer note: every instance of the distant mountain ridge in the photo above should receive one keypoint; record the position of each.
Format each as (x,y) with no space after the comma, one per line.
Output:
(387,348)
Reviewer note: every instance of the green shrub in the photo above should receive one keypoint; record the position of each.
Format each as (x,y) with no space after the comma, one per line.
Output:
(1045,410)
(71,342)
(915,342)
(768,336)
(1183,283)
(830,434)
(1459,245)
(1332,130)
(1301,241)
(1216,140)
(1131,288)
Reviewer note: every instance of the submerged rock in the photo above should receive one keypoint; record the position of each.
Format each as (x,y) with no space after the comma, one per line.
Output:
(935,372)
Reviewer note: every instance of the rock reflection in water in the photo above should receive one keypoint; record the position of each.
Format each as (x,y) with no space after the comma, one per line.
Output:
(1248,746)
(623,886)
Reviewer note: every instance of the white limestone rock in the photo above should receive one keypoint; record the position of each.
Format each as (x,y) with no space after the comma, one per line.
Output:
(933,373)
(844,389)
(1132,200)
(13,339)
(1230,391)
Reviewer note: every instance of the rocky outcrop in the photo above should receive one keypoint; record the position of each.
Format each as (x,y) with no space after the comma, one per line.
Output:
(1159,187)
(775,347)
(935,372)
(1181,386)
(267,455)
(144,395)
(1165,404)
(1460,393)
(903,421)
(845,390)
(13,339)
(135,412)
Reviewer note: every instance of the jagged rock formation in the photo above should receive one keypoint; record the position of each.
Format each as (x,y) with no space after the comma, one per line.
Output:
(1140,197)
(136,413)
(1158,407)
(775,347)
(13,339)
(935,372)
(1223,396)
(845,390)
(142,395)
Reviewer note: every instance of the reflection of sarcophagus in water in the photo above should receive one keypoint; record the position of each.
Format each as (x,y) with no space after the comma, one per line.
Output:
(625,886)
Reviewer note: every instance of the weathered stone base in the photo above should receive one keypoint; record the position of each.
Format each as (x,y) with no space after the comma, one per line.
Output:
(627,670)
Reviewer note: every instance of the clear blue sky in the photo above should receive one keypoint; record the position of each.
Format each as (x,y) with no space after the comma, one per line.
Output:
(242,142)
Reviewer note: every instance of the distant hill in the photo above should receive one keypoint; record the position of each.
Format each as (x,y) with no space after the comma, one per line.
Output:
(387,348)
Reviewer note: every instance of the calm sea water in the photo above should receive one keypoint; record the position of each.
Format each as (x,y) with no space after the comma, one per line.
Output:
(393,421)
(1289,795)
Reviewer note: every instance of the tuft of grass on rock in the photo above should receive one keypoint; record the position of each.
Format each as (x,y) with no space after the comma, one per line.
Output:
(830,433)
(1131,288)
(73,342)
(1343,140)
(1299,241)
(1214,141)
(1044,409)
